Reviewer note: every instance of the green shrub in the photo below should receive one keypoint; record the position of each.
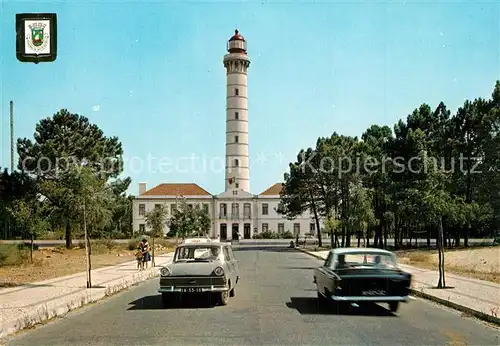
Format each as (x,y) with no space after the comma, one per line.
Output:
(268,235)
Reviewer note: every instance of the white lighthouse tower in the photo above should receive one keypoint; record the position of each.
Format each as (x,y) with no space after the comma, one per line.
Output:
(236,63)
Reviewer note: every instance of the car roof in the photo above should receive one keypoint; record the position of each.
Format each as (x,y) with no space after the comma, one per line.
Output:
(197,240)
(348,250)
(211,243)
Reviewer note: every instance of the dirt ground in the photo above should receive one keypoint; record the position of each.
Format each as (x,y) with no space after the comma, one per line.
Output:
(50,263)
(479,263)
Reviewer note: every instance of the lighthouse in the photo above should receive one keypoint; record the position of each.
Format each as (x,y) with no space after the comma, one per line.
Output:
(236,63)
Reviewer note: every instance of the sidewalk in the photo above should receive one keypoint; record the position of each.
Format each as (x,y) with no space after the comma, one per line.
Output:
(24,306)
(471,296)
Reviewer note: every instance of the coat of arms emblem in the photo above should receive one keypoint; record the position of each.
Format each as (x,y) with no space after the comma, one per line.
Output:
(38,38)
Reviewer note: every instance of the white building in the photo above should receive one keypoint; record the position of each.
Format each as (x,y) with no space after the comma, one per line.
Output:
(236,212)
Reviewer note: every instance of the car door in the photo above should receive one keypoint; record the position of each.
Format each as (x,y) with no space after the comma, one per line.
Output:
(325,275)
(229,263)
(236,268)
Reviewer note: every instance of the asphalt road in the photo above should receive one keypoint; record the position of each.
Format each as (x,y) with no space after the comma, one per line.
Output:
(275,304)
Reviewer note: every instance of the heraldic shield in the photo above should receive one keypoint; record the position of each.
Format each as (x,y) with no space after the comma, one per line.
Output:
(37,35)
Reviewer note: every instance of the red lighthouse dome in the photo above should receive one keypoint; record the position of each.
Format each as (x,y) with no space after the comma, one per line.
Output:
(237,36)
(237,43)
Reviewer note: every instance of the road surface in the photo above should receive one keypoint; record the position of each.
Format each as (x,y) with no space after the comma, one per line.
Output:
(275,304)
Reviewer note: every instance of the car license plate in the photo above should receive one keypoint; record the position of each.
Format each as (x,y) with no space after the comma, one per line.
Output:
(374,293)
(191,290)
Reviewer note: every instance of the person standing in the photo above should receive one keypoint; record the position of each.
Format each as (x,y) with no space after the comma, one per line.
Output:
(145,252)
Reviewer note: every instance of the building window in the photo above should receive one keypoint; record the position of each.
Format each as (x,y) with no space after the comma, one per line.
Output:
(142,228)
(265,209)
(312,227)
(157,206)
(235,192)
(265,227)
(205,207)
(247,207)
(235,210)
(236,91)
(142,209)
(296,228)
(236,162)
(281,228)
(237,185)
(223,210)
(236,115)
(236,139)
(172,209)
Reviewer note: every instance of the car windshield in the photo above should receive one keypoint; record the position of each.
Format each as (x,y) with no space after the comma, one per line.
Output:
(365,260)
(197,254)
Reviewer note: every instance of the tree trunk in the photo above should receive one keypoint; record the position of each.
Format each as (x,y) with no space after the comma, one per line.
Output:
(89,244)
(457,236)
(429,229)
(31,250)
(440,282)
(386,234)
(313,206)
(69,241)
(442,250)
(466,235)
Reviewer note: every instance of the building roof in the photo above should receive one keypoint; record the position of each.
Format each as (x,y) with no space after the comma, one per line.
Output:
(273,190)
(174,189)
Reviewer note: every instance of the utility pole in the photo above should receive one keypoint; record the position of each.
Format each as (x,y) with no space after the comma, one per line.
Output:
(11,137)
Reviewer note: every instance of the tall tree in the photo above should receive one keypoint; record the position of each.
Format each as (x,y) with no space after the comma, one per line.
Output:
(189,221)
(63,141)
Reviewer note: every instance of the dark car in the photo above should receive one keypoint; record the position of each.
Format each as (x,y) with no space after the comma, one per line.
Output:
(359,275)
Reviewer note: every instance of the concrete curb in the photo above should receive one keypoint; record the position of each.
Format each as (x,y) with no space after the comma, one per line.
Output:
(475,313)
(60,307)
(417,293)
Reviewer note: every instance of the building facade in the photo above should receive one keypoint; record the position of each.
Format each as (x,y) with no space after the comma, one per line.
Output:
(236,213)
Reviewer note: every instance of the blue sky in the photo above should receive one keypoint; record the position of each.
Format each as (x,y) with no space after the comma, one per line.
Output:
(155,71)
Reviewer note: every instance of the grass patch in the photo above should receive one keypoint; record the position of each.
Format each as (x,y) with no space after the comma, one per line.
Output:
(13,254)
(48,263)
(479,263)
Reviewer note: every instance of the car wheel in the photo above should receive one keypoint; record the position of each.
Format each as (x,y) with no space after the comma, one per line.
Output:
(393,306)
(224,298)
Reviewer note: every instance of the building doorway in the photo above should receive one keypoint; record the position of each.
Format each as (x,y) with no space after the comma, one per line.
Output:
(236,235)
(246,231)
(223,231)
